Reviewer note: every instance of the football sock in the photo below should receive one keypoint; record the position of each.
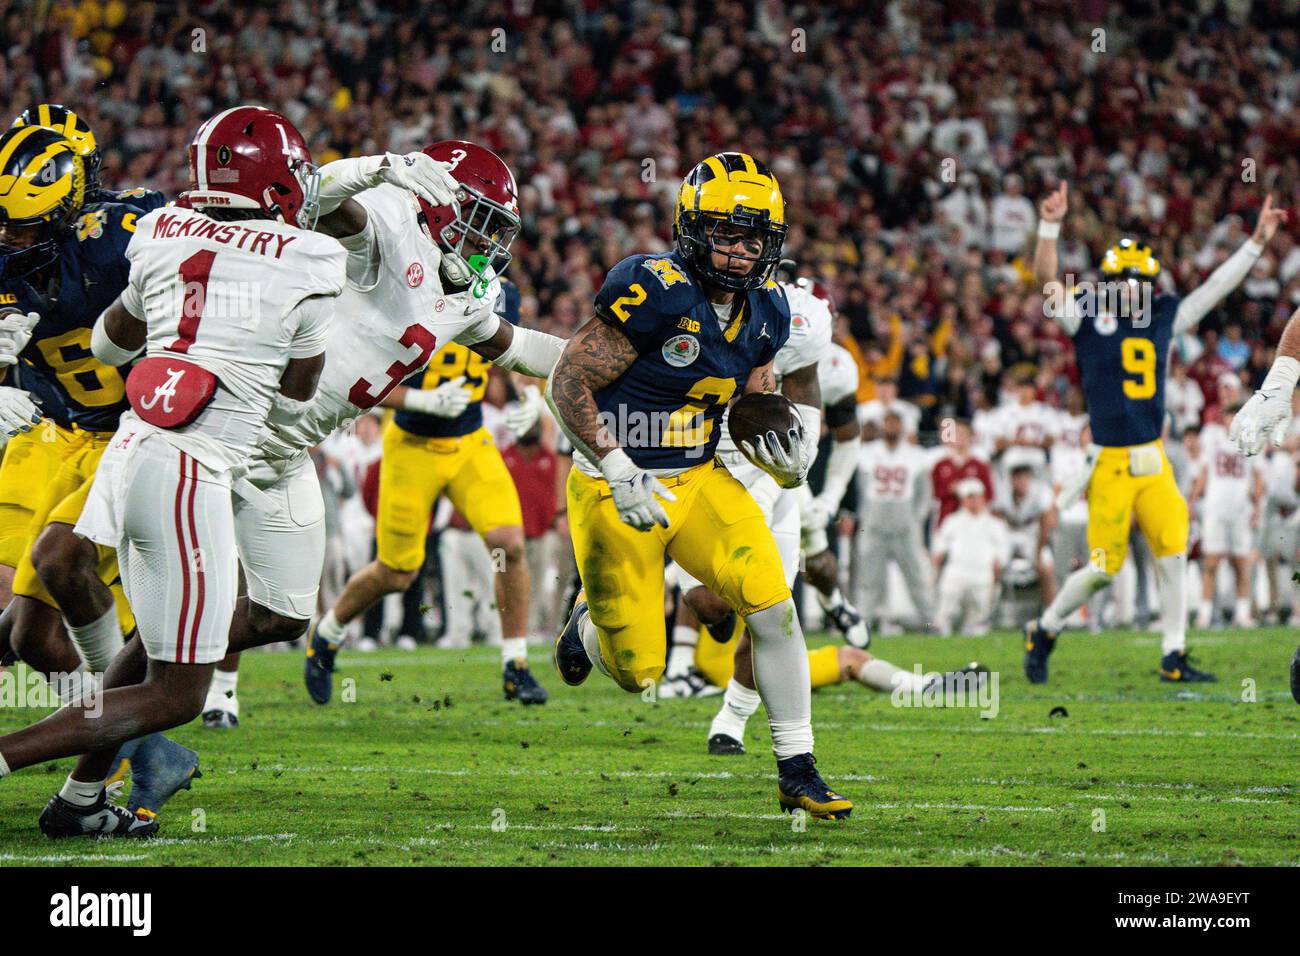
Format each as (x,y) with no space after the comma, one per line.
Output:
(99,641)
(591,643)
(4,766)
(781,676)
(1171,584)
(330,629)
(884,676)
(514,649)
(738,705)
(80,793)
(221,692)
(1074,593)
(682,655)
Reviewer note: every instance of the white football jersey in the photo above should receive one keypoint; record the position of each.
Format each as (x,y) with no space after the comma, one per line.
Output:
(234,298)
(1229,475)
(973,543)
(874,411)
(1069,429)
(392,316)
(837,374)
(810,337)
(890,474)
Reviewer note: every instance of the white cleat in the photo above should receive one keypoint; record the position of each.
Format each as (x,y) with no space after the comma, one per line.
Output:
(690,684)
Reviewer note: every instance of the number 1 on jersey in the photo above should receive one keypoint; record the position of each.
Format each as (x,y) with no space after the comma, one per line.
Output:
(194,273)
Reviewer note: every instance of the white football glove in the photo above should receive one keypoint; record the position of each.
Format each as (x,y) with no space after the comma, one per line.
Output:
(423,175)
(15,333)
(521,418)
(446,401)
(788,465)
(18,413)
(634,492)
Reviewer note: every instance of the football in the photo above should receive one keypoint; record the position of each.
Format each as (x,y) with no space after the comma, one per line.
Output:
(758,413)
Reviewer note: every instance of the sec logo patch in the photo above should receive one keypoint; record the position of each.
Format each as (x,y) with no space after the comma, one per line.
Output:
(681,350)
(414,275)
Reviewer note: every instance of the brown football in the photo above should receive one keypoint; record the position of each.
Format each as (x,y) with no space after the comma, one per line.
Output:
(758,413)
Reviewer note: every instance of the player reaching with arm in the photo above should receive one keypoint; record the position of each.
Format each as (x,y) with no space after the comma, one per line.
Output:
(230,297)
(1122,355)
(1266,417)
(640,391)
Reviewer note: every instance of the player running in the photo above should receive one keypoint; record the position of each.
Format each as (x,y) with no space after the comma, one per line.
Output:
(230,297)
(640,391)
(1122,359)
(1266,416)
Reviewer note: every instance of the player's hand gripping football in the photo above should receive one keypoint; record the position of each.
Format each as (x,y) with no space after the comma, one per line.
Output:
(785,457)
(423,175)
(634,492)
(446,401)
(15,332)
(1265,417)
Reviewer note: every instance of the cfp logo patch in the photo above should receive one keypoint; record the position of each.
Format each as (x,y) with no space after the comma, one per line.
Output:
(681,350)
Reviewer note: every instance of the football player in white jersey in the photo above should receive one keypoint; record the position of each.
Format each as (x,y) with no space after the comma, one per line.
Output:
(230,297)
(425,239)
(1231,489)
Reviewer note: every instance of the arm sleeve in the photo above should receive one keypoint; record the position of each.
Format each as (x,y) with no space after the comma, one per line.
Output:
(363,254)
(840,469)
(313,315)
(1217,285)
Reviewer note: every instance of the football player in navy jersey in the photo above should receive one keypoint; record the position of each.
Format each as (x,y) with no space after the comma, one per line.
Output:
(1121,345)
(62,263)
(640,391)
(78,132)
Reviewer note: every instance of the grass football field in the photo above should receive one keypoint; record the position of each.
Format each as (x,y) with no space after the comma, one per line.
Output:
(430,766)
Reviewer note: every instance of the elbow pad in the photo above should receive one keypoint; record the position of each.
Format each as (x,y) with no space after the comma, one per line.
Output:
(531,353)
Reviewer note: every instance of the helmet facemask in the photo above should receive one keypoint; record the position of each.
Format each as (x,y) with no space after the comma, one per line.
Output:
(701,234)
(476,245)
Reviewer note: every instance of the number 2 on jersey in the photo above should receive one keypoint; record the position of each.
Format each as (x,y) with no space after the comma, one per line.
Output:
(1139,358)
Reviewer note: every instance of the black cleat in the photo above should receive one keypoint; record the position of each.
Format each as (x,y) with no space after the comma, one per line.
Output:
(318,671)
(1295,676)
(218,719)
(720,745)
(722,631)
(851,625)
(961,682)
(571,658)
(63,819)
(800,787)
(1039,643)
(520,684)
(1176,668)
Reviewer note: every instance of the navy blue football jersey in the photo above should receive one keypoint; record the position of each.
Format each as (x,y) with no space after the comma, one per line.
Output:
(146,200)
(57,367)
(665,410)
(1122,362)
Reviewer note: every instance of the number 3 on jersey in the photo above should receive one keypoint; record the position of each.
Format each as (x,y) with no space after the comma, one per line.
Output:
(362,395)
(1139,359)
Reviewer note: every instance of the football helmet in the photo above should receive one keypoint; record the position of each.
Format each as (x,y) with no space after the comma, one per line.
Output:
(42,187)
(75,129)
(249,157)
(737,194)
(478,229)
(1127,260)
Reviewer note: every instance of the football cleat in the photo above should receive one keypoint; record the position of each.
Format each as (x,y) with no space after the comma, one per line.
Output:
(690,684)
(851,625)
(160,767)
(964,680)
(63,819)
(722,631)
(318,671)
(218,719)
(1295,676)
(571,658)
(520,684)
(720,745)
(800,787)
(1039,643)
(1176,668)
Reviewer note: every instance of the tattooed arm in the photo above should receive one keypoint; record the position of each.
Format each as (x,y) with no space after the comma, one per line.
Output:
(594,357)
(762,379)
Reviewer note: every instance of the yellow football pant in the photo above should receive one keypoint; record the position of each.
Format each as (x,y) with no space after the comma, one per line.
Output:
(715,532)
(1115,497)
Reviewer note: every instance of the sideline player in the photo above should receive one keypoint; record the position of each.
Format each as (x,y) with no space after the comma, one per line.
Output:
(230,297)
(640,391)
(1122,360)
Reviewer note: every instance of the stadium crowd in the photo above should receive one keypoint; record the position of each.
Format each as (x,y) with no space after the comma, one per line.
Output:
(911,170)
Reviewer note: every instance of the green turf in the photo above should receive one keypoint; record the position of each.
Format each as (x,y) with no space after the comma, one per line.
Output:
(430,766)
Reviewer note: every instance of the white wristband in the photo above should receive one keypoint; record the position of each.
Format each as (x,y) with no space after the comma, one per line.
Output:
(106,350)
(1283,374)
(1048,230)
